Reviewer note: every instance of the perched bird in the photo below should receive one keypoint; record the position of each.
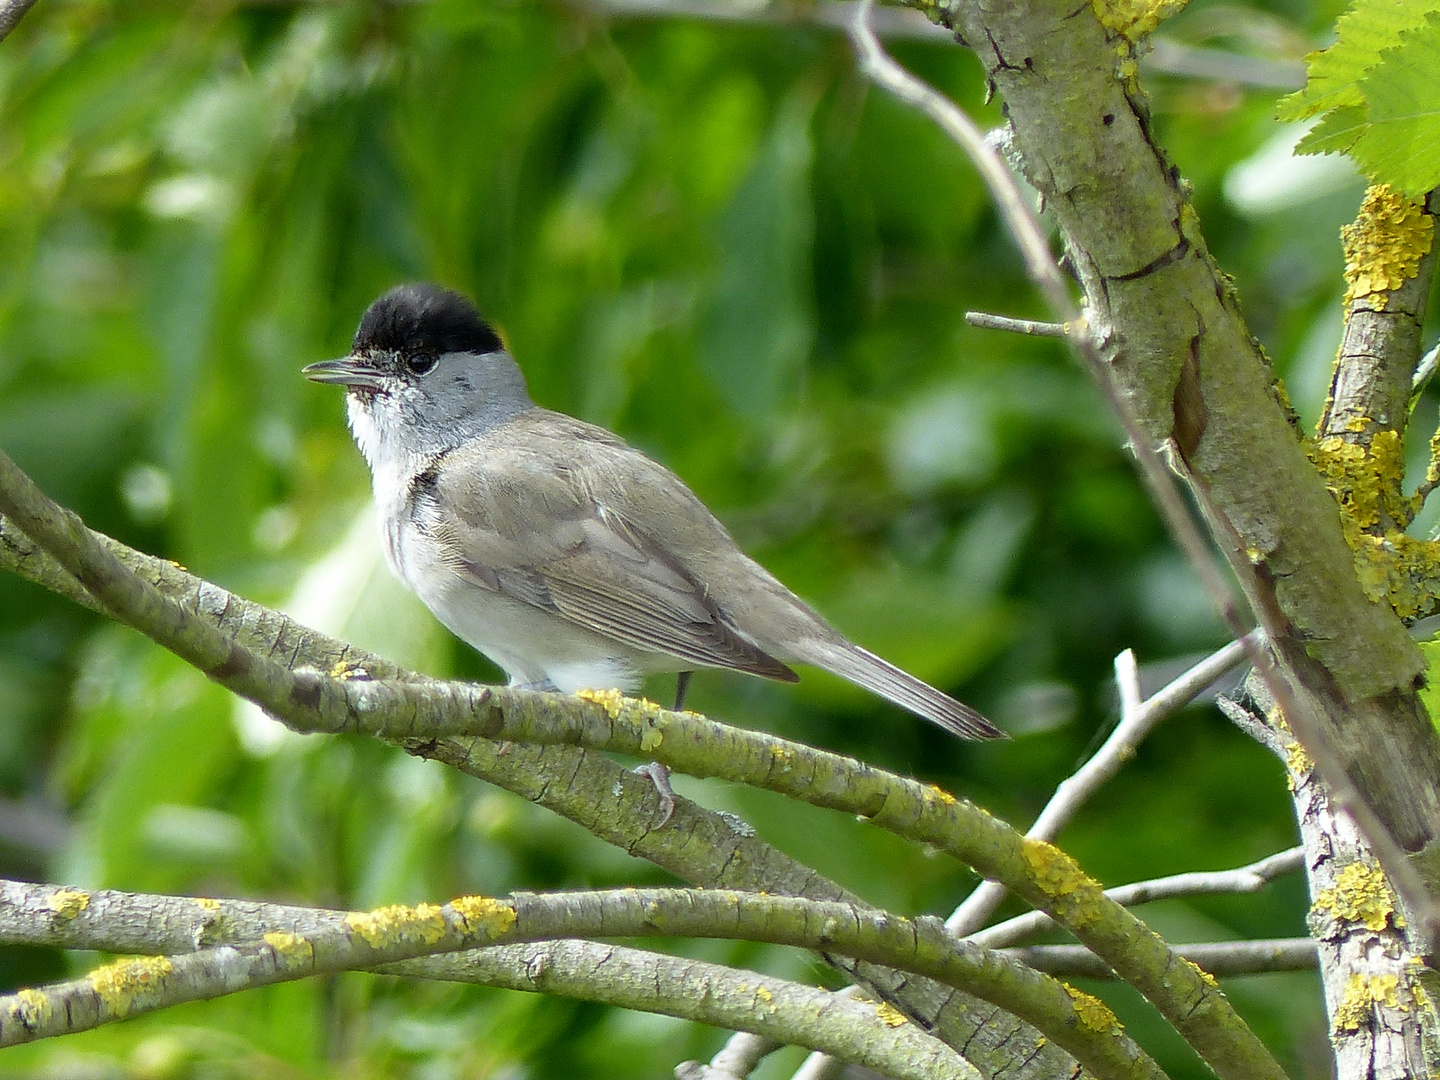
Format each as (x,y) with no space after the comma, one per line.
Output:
(566,556)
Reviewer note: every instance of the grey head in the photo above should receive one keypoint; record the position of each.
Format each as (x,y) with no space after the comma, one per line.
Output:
(425,373)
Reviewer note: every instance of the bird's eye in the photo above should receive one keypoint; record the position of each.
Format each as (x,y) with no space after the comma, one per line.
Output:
(420,364)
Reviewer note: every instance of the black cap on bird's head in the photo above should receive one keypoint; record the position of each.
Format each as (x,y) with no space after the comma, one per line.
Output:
(426,371)
(424,318)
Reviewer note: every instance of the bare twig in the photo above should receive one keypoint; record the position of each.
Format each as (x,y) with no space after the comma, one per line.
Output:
(985,321)
(736,1060)
(1219,958)
(1244,879)
(820,1067)
(1137,721)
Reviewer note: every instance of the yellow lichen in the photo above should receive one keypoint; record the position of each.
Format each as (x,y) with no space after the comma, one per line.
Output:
(890,1016)
(1297,760)
(1092,1013)
(1384,246)
(207,904)
(765,994)
(67,903)
(1359,895)
(32,1008)
(1133,19)
(1362,994)
(612,701)
(341,670)
(1392,566)
(639,711)
(1055,872)
(940,795)
(1204,976)
(121,984)
(482,914)
(396,923)
(292,950)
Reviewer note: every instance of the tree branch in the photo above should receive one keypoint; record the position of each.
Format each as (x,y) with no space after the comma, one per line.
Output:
(1184,364)
(699,845)
(315,941)
(1043,875)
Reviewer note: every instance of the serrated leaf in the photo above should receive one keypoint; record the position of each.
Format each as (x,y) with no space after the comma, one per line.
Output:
(1364,32)
(1401,144)
(1336,132)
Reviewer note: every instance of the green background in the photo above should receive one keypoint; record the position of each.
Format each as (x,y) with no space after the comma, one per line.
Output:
(715,239)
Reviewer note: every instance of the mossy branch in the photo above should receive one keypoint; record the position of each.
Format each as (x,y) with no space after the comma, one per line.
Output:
(700,846)
(311,941)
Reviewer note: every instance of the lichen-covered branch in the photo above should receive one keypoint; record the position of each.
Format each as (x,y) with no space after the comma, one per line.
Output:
(699,846)
(874,1036)
(1042,874)
(1359,446)
(1171,329)
(851,1029)
(336,940)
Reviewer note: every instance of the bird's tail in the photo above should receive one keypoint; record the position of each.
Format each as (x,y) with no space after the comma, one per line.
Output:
(881,677)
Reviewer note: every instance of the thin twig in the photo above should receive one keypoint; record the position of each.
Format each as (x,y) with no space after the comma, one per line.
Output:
(1136,722)
(1244,879)
(819,1067)
(1025,229)
(986,321)
(736,1060)
(1220,958)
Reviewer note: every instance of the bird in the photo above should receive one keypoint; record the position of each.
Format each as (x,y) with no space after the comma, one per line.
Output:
(565,555)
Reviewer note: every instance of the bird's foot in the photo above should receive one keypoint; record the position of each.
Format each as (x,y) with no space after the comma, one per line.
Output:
(660,776)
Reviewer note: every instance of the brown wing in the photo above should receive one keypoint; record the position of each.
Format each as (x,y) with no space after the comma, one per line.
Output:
(517,511)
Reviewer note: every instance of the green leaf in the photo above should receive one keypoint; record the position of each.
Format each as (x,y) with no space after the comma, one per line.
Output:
(1337,132)
(1401,144)
(1366,30)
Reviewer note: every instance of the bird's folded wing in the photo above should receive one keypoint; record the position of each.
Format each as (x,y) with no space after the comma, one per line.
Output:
(523,526)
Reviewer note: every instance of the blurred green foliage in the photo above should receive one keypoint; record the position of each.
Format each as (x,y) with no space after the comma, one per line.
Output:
(712,238)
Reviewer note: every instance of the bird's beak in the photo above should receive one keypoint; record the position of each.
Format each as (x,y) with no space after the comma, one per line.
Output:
(349,371)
